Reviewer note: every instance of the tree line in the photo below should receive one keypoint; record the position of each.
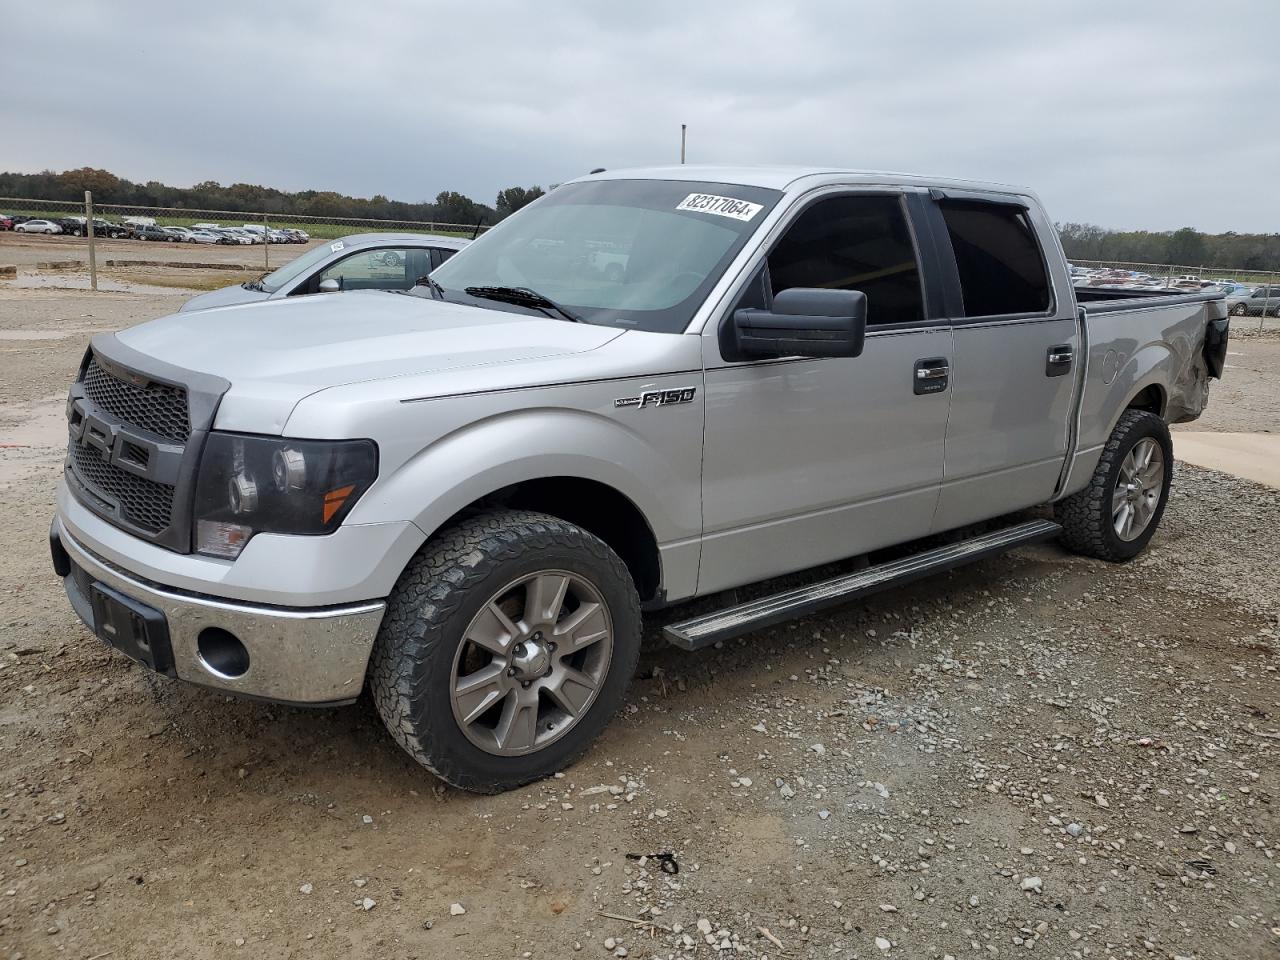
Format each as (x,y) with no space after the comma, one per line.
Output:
(1184,247)
(449,206)
(1081,241)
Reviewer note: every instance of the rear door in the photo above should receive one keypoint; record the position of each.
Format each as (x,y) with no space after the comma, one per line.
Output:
(1013,376)
(808,460)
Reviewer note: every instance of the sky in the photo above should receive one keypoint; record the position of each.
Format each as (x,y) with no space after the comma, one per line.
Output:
(1132,115)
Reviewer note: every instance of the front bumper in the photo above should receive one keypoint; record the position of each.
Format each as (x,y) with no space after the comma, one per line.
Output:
(312,657)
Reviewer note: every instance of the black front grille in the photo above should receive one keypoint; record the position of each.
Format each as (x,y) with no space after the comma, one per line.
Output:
(156,407)
(144,502)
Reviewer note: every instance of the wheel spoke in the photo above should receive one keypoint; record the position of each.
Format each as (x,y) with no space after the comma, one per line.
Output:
(583,627)
(477,692)
(492,629)
(544,597)
(1143,452)
(1118,499)
(1122,518)
(1127,468)
(572,690)
(519,723)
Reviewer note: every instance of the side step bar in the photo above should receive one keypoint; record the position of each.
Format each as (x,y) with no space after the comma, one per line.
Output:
(765,612)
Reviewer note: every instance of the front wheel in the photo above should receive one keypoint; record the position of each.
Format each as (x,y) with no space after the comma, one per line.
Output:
(1239,310)
(1116,515)
(507,646)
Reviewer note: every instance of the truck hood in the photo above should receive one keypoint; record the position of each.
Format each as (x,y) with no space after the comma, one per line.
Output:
(276,352)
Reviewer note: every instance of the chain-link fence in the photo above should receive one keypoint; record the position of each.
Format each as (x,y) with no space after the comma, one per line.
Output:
(1173,272)
(271,235)
(1250,293)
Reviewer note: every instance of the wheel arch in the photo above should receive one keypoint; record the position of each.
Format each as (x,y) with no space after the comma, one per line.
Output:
(1152,397)
(596,507)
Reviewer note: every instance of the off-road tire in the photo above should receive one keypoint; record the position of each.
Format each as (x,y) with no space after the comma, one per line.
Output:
(1086,516)
(441,590)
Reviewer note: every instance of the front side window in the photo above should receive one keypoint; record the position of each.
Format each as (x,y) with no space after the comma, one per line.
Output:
(384,268)
(853,243)
(296,267)
(1001,269)
(638,254)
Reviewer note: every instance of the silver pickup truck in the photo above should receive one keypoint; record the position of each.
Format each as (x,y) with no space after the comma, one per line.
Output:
(462,496)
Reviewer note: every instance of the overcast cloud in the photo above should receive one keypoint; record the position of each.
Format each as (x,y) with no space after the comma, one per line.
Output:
(1144,115)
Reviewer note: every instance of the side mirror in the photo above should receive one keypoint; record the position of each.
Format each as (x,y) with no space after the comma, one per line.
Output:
(331,286)
(804,322)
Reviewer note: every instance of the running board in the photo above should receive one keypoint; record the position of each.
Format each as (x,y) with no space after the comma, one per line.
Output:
(765,612)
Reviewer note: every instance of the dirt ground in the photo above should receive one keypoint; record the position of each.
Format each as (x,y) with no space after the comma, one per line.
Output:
(1037,753)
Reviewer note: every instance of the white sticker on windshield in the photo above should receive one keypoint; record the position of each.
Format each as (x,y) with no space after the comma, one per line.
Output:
(720,206)
(335,247)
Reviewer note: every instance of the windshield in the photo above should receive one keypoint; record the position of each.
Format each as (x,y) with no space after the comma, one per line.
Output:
(640,254)
(276,279)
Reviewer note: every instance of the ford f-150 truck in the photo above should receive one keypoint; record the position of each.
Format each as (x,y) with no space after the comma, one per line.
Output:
(462,496)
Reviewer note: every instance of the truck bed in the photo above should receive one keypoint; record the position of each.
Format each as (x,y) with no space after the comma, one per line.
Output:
(1155,359)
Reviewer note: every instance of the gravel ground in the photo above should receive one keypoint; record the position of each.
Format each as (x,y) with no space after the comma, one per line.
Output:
(1036,753)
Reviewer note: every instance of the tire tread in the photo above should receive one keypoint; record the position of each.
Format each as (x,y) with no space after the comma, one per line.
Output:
(1085,516)
(432,588)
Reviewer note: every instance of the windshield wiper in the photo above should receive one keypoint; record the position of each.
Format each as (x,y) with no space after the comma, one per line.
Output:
(254,284)
(436,289)
(524,297)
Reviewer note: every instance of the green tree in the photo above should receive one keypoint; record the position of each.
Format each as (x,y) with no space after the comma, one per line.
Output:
(453,207)
(1186,246)
(513,198)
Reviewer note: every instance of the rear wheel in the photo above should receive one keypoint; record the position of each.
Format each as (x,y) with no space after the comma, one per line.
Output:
(507,646)
(1117,514)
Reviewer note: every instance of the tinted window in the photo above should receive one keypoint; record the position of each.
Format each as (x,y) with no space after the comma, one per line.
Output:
(853,243)
(1001,270)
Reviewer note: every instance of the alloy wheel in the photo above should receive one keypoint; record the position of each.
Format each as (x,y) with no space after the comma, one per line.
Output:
(1138,489)
(531,663)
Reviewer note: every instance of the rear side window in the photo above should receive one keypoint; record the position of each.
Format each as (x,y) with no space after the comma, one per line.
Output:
(853,243)
(1001,268)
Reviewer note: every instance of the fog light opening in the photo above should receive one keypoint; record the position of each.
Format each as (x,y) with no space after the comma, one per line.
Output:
(222,654)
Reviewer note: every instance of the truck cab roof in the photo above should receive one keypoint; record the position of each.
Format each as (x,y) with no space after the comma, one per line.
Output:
(796,179)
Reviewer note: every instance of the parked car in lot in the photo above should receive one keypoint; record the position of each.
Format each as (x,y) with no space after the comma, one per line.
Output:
(465,496)
(6,222)
(364,261)
(204,236)
(75,226)
(181,234)
(38,226)
(1256,301)
(149,231)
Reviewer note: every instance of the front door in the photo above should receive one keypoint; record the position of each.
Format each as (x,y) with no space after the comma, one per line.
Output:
(1014,372)
(811,460)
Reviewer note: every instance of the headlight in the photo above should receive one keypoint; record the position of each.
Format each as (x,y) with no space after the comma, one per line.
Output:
(251,485)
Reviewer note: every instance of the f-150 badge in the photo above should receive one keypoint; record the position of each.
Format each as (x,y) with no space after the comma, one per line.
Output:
(658,398)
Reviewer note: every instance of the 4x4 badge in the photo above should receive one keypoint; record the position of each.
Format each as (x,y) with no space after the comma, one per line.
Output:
(658,398)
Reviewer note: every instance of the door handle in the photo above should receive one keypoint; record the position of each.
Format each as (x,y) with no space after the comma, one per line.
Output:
(1058,360)
(931,375)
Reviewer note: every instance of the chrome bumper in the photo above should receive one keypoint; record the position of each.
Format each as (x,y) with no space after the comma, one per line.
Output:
(301,656)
